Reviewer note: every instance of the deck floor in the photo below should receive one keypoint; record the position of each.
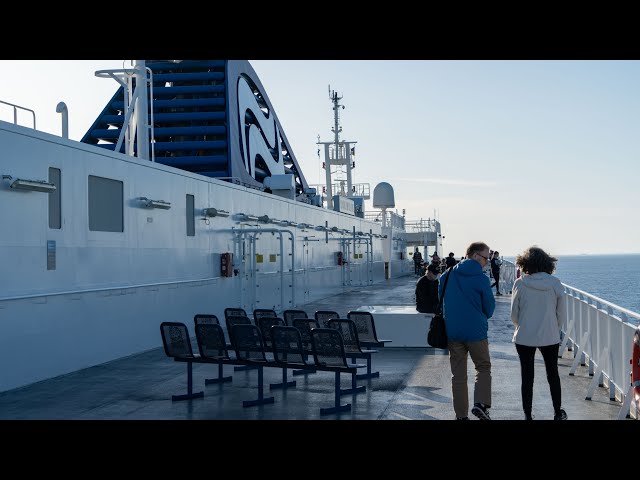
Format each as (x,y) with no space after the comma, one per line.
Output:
(414,383)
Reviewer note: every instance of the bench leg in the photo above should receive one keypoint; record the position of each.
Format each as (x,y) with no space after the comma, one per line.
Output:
(368,374)
(284,384)
(354,388)
(261,400)
(189,395)
(220,379)
(303,371)
(337,407)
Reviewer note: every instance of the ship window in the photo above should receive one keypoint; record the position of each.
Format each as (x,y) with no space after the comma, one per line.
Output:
(191,219)
(55,212)
(106,206)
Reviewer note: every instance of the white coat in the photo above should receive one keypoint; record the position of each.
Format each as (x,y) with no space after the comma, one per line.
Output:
(538,309)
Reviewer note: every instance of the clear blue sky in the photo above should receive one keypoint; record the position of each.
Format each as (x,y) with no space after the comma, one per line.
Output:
(512,153)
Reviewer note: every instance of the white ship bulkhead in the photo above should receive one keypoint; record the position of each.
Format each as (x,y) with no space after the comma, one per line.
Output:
(110,291)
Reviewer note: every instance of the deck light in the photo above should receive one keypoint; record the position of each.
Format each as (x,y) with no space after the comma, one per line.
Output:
(214,212)
(31,185)
(148,203)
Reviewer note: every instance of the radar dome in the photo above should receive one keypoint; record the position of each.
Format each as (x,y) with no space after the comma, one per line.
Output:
(383,196)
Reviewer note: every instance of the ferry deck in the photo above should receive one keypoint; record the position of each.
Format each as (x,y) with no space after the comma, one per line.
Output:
(414,383)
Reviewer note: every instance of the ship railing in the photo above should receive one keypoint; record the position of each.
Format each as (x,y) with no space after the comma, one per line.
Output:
(392,219)
(339,188)
(15,112)
(508,272)
(600,333)
(422,225)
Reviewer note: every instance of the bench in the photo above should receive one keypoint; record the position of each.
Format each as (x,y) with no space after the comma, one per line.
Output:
(347,329)
(366,328)
(327,347)
(202,318)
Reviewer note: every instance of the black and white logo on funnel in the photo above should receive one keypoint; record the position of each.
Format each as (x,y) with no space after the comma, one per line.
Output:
(259,133)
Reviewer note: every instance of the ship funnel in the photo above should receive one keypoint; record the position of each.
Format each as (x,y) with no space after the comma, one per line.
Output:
(383,196)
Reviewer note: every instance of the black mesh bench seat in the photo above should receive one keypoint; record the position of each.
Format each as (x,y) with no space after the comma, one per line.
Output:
(259,313)
(247,342)
(202,318)
(233,317)
(304,326)
(366,329)
(234,311)
(177,345)
(323,317)
(249,348)
(289,315)
(288,350)
(199,318)
(213,347)
(352,346)
(329,355)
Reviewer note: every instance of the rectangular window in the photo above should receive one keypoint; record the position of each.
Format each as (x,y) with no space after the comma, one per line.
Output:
(106,205)
(55,211)
(191,219)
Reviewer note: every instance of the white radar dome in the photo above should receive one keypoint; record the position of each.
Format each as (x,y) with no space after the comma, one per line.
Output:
(383,196)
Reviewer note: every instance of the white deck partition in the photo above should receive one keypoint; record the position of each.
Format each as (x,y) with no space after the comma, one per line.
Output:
(403,325)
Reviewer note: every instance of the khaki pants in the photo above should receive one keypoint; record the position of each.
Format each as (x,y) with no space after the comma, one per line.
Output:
(458,358)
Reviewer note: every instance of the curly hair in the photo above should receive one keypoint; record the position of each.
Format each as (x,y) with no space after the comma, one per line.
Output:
(534,260)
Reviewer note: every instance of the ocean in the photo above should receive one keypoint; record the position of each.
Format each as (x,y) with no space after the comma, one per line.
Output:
(614,278)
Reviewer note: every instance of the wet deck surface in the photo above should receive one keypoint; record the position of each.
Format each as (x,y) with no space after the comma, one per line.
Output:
(414,383)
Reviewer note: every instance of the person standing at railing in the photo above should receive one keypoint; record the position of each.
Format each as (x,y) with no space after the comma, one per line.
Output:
(496,263)
(538,310)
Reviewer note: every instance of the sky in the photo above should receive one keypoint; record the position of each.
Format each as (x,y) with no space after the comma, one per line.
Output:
(511,153)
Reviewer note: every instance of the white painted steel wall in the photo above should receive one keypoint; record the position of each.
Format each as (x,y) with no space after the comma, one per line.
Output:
(110,291)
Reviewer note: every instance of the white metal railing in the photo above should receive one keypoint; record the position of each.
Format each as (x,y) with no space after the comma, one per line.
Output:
(422,225)
(15,112)
(508,273)
(392,219)
(339,188)
(125,77)
(602,336)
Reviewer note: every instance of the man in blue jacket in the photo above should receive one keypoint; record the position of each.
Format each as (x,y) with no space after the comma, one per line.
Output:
(468,304)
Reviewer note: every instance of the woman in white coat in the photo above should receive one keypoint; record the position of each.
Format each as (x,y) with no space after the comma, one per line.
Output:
(538,310)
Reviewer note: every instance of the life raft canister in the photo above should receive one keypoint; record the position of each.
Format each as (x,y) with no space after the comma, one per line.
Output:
(635,366)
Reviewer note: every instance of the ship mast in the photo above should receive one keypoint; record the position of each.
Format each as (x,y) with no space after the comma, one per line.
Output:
(337,153)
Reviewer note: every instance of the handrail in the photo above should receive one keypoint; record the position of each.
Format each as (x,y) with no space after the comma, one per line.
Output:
(611,306)
(15,112)
(600,339)
(129,105)
(107,289)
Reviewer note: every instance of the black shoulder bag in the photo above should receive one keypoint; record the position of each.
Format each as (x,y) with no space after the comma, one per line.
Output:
(437,336)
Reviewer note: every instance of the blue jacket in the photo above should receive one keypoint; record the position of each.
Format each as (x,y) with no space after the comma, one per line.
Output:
(468,302)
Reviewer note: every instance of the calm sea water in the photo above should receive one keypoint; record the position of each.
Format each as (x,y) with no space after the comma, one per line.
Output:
(614,278)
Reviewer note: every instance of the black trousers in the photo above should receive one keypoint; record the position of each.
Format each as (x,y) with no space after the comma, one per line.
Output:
(496,276)
(550,356)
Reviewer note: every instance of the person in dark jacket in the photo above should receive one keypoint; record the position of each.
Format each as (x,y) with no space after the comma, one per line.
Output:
(451,260)
(417,261)
(427,291)
(468,304)
(495,271)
